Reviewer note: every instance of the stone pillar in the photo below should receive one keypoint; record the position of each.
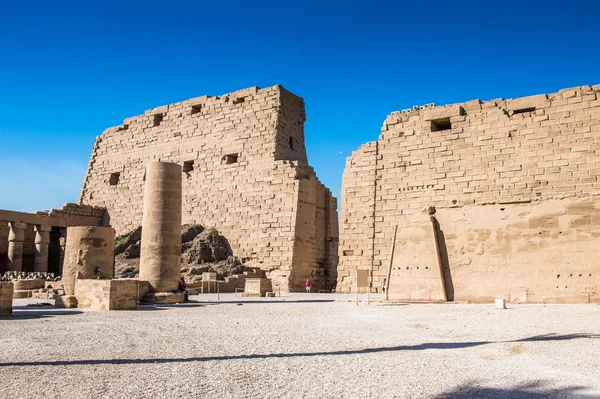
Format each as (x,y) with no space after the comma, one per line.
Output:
(15,246)
(42,240)
(160,262)
(6,298)
(89,254)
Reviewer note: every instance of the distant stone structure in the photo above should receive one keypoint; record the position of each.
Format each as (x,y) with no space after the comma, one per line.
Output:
(35,242)
(494,199)
(245,171)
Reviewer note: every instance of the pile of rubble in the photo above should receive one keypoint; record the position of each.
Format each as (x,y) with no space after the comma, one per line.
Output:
(202,250)
(13,276)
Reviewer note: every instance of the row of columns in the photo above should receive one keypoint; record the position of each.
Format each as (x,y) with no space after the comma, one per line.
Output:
(16,237)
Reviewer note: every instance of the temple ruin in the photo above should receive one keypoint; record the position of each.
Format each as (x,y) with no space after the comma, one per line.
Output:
(35,242)
(245,171)
(494,199)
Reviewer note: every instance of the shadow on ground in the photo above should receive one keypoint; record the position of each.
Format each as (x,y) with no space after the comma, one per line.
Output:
(433,345)
(31,312)
(527,391)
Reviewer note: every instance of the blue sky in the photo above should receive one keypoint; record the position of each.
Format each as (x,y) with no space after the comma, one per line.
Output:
(69,69)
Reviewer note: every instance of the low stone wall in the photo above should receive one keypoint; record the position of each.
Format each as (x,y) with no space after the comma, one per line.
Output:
(106,294)
(29,284)
(6,298)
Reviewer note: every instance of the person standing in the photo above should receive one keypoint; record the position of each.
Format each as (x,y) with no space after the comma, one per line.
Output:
(383,285)
(307,285)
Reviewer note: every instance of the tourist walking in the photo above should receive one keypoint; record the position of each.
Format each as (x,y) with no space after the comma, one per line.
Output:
(307,285)
(183,288)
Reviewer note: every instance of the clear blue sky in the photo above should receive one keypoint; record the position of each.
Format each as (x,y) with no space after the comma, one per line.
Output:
(70,69)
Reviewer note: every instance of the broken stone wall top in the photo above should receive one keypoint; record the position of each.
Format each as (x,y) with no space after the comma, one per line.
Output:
(245,172)
(515,184)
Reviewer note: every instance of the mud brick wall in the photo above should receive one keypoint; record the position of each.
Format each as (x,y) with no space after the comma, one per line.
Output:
(515,187)
(245,173)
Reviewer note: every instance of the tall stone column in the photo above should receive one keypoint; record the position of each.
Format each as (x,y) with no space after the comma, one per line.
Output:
(16,236)
(160,262)
(42,240)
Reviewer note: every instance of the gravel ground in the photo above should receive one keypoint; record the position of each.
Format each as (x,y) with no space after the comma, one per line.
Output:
(313,346)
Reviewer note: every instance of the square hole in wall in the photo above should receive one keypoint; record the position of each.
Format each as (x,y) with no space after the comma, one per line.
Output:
(157,119)
(524,110)
(188,166)
(114,178)
(196,109)
(348,252)
(441,124)
(292,143)
(230,158)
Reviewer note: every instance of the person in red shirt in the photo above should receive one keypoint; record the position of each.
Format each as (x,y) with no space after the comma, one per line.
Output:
(307,286)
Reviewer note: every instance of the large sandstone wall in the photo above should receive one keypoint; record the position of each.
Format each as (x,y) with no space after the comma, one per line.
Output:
(515,185)
(245,172)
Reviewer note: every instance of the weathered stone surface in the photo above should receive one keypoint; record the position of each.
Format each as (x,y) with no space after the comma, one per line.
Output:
(29,284)
(256,287)
(245,171)
(6,298)
(515,187)
(107,294)
(65,301)
(160,259)
(89,254)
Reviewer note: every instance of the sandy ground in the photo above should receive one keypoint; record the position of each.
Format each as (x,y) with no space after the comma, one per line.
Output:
(311,346)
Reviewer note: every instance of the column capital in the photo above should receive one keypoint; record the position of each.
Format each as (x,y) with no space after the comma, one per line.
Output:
(17,225)
(43,227)
(17,231)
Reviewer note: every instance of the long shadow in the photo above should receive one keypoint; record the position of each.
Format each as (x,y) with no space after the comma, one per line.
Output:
(38,314)
(268,301)
(524,391)
(445,261)
(449,345)
(556,337)
(432,345)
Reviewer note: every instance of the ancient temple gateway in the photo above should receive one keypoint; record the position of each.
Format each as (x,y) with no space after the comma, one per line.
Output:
(512,186)
(245,171)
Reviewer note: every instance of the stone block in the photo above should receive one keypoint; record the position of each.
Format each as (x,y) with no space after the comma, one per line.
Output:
(65,301)
(21,294)
(257,287)
(107,294)
(446,112)
(6,298)
(168,297)
(29,284)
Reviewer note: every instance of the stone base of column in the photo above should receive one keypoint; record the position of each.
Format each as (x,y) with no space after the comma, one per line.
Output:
(6,299)
(164,297)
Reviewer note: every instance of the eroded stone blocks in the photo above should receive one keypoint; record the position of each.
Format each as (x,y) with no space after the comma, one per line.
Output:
(515,186)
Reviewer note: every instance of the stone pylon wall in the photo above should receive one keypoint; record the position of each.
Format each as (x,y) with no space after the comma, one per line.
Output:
(244,167)
(515,184)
